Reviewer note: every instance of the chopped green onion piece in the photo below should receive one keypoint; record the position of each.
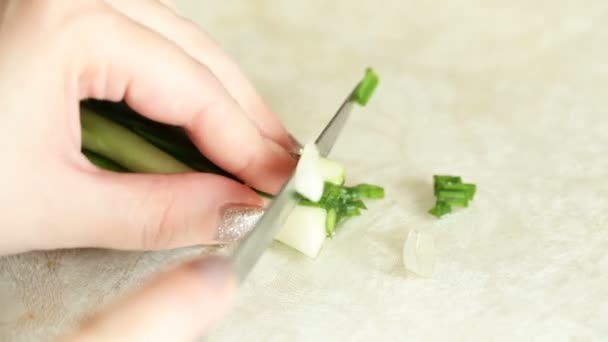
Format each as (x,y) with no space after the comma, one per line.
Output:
(330,224)
(457,202)
(351,211)
(357,204)
(451,192)
(366,87)
(369,191)
(441,208)
(468,189)
(343,201)
(444,179)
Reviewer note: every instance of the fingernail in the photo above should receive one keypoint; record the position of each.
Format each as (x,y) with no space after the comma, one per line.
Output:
(296,146)
(216,269)
(236,222)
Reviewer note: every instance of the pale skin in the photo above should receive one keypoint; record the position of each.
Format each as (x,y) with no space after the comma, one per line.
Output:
(54,54)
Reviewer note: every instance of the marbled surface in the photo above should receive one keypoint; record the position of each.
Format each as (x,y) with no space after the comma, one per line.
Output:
(510,95)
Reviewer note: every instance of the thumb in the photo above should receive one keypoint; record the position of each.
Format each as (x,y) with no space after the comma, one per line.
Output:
(154,211)
(179,305)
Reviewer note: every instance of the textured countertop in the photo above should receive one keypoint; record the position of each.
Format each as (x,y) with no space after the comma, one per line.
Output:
(511,95)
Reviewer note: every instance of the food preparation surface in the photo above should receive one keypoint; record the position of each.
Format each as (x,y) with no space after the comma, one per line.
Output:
(509,95)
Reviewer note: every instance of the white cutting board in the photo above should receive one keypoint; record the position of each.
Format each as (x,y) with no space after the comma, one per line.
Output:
(510,95)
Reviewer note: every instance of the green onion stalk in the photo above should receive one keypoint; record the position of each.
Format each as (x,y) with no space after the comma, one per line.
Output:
(116,138)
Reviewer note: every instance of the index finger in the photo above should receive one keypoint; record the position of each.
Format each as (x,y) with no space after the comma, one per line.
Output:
(159,80)
(161,17)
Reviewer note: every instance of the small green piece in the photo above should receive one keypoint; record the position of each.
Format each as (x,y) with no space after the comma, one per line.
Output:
(443,181)
(366,87)
(457,202)
(451,192)
(330,223)
(441,208)
(467,189)
(369,191)
(343,202)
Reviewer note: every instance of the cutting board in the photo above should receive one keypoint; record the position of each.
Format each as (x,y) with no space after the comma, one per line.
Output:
(509,95)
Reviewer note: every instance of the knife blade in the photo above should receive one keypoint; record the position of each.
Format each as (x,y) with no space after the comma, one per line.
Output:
(253,245)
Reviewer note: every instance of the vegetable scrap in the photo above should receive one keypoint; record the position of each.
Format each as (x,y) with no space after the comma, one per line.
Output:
(451,192)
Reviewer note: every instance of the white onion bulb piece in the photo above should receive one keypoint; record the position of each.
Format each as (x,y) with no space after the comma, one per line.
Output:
(419,253)
(309,180)
(304,230)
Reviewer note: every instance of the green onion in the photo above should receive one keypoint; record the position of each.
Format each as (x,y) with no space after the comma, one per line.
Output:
(450,192)
(103,162)
(330,224)
(343,202)
(467,189)
(441,208)
(369,191)
(115,142)
(366,87)
(443,181)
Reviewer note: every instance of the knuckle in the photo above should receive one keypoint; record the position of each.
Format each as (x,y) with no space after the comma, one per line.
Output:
(242,165)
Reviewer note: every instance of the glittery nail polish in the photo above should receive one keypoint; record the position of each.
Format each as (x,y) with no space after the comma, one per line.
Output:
(236,221)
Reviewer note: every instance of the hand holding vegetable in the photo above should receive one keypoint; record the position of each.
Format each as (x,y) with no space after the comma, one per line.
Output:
(53,54)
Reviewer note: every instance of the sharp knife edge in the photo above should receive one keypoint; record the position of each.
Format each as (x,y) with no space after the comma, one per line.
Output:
(251,248)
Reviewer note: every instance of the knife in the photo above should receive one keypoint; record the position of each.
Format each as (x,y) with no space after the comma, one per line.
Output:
(253,245)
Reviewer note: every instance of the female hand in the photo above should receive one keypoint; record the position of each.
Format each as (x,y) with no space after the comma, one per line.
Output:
(180,305)
(54,54)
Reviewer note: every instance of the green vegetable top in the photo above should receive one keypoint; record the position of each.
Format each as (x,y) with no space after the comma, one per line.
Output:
(366,87)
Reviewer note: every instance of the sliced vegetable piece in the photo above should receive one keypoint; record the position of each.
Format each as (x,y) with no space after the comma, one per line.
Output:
(366,87)
(369,191)
(332,171)
(304,230)
(467,189)
(330,222)
(308,176)
(441,208)
(442,180)
(419,253)
(450,192)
